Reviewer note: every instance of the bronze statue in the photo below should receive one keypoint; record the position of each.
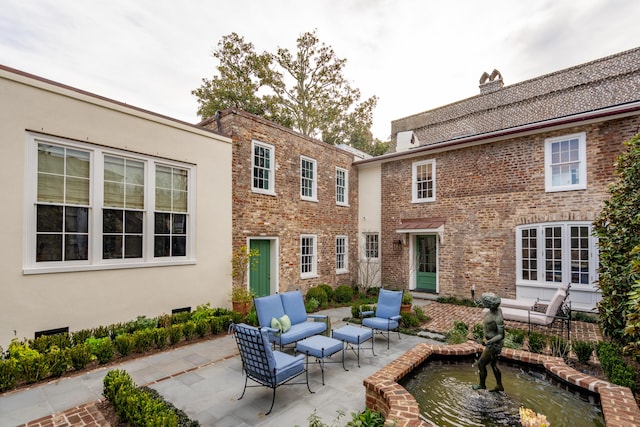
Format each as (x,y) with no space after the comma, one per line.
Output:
(494,336)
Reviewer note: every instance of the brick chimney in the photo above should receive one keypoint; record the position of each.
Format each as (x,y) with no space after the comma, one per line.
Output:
(490,82)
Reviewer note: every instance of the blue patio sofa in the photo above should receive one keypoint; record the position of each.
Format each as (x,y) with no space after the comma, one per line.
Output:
(292,304)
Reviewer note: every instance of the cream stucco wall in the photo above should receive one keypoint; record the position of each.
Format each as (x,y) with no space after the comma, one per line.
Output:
(83,299)
(369,219)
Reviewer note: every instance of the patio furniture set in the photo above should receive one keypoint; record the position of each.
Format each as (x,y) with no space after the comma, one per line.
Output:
(283,320)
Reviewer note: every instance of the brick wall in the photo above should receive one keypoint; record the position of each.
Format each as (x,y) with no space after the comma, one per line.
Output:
(484,192)
(285,216)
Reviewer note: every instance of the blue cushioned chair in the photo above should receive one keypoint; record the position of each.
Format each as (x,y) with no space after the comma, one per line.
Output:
(387,315)
(267,367)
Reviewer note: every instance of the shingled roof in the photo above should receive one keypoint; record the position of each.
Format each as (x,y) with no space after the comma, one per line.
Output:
(605,82)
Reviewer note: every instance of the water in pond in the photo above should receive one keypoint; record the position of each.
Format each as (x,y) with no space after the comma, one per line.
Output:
(444,394)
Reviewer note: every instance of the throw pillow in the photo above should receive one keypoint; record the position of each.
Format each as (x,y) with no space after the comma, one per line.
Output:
(275,324)
(285,323)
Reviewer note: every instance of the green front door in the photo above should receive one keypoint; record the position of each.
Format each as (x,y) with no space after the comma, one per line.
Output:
(260,275)
(427,261)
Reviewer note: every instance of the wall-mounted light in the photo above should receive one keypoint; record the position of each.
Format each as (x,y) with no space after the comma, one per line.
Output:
(397,245)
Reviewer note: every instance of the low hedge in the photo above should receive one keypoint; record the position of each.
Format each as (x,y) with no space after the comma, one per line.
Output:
(50,356)
(141,406)
(614,366)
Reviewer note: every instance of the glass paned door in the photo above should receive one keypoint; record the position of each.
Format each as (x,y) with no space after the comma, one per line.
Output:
(427,262)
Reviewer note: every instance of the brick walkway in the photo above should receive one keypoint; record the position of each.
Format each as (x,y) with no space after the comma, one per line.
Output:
(82,416)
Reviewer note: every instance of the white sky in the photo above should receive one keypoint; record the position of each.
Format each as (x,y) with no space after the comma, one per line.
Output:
(414,55)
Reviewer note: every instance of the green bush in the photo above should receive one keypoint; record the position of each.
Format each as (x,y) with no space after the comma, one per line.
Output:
(102,348)
(175,333)
(582,350)
(161,335)
(215,323)
(458,334)
(124,343)
(250,319)
(344,294)
(328,289)
(58,360)
(537,342)
(419,312)
(517,335)
(189,330)
(80,337)
(143,340)
(202,327)
(614,366)
(31,365)
(181,317)
(80,356)
(44,342)
(559,346)
(311,305)
(320,295)
(409,320)
(8,374)
(456,301)
(478,332)
(368,418)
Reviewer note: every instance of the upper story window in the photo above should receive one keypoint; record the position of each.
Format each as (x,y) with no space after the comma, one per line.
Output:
(342,187)
(308,256)
(424,181)
(308,179)
(92,208)
(555,253)
(262,165)
(371,245)
(566,163)
(341,255)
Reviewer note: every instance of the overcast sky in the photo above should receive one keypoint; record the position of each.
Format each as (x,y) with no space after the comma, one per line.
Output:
(414,55)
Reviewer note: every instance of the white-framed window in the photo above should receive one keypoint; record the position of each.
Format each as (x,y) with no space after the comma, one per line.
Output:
(93,207)
(263,167)
(556,253)
(371,246)
(342,187)
(565,160)
(424,181)
(342,252)
(308,179)
(308,256)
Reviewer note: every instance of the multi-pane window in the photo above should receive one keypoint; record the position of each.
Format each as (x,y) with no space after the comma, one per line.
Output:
(308,179)
(62,203)
(123,213)
(371,245)
(567,252)
(263,168)
(565,163)
(424,181)
(308,256)
(342,186)
(94,206)
(341,254)
(170,228)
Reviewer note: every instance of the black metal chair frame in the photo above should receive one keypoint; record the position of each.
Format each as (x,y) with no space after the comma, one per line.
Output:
(255,362)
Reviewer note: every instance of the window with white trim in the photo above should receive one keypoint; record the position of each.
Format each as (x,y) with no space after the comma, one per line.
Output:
(263,167)
(308,179)
(92,207)
(566,163)
(556,253)
(371,245)
(308,256)
(342,265)
(342,187)
(424,181)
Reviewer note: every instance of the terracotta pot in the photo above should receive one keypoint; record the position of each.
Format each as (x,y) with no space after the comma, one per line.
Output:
(241,307)
(405,308)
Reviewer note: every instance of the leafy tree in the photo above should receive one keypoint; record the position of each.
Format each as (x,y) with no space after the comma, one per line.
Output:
(618,231)
(304,90)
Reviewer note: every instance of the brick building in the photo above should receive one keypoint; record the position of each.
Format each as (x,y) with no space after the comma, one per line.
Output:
(498,191)
(295,200)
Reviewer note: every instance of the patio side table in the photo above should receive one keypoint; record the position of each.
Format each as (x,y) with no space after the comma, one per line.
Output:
(354,335)
(320,347)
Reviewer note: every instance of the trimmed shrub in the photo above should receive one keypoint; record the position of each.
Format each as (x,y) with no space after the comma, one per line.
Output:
(58,360)
(419,312)
(344,294)
(8,374)
(215,323)
(311,305)
(80,356)
(81,336)
(44,342)
(160,337)
(409,320)
(175,333)
(102,348)
(458,334)
(329,291)
(582,350)
(319,294)
(537,342)
(478,332)
(124,344)
(614,366)
(202,327)
(143,340)
(189,330)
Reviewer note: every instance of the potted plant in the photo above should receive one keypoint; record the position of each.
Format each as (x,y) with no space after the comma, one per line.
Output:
(241,297)
(407,300)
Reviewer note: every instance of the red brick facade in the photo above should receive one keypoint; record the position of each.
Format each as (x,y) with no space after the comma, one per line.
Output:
(484,192)
(285,216)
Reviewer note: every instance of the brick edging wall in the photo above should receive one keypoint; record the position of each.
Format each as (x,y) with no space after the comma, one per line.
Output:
(385,395)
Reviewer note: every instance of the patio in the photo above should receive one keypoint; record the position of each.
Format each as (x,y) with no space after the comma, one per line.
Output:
(205,380)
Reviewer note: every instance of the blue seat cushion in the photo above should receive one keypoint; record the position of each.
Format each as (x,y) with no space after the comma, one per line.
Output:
(380,323)
(300,331)
(319,346)
(287,365)
(267,308)
(293,305)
